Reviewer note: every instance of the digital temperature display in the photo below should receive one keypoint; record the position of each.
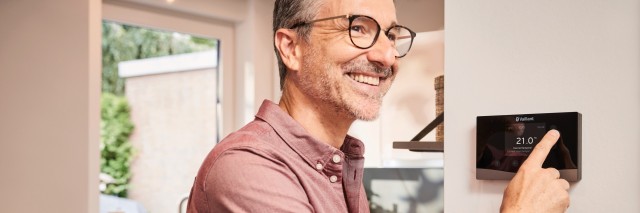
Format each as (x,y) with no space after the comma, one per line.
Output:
(504,142)
(520,138)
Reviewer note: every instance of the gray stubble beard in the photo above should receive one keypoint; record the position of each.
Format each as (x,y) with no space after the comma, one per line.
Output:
(322,87)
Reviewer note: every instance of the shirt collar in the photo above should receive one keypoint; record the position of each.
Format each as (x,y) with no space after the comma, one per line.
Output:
(294,135)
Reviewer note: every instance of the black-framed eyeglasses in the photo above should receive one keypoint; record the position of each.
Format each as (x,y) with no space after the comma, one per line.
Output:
(364,31)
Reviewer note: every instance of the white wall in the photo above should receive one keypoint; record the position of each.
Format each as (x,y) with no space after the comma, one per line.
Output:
(507,57)
(255,79)
(49,105)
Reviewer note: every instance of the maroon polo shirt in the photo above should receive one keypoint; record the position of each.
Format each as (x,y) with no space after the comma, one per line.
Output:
(273,165)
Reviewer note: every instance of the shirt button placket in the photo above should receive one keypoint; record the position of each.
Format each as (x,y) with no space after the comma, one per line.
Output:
(333,178)
(336,159)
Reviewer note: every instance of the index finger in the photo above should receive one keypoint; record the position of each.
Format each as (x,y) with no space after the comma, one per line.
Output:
(540,152)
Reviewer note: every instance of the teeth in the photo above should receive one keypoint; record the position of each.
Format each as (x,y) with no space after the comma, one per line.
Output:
(365,79)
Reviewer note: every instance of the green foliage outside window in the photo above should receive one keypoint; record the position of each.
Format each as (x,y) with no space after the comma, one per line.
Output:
(124,43)
(115,150)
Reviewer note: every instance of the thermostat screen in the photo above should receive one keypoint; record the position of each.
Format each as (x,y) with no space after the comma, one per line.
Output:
(520,138)
(504,142)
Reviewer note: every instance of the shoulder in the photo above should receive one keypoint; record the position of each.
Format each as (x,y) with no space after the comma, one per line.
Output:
(254,149)
(247,167)
(257,138)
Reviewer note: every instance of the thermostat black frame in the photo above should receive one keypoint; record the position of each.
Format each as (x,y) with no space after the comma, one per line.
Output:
(503,142)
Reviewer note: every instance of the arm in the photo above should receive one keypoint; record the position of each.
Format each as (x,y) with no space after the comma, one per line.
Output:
(534,189)
(246,180)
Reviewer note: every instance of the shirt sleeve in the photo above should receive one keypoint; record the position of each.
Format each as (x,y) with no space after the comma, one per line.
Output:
(246,180)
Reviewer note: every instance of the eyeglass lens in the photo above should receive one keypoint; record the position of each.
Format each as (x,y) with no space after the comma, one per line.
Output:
(364,32)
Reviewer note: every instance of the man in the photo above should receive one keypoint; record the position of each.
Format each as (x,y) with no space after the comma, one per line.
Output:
(337,60)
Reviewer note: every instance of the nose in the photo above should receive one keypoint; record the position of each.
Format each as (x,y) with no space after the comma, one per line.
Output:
(383,53)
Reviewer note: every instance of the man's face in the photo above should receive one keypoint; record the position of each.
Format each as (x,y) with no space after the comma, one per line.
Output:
(341,75)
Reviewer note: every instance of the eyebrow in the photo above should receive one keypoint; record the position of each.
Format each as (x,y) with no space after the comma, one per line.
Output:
(367,13)
(393,24)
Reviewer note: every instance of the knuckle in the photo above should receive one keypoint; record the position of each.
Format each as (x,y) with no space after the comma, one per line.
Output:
(525,170)
(565,198)
(525,165)
(562,199)
(552,172)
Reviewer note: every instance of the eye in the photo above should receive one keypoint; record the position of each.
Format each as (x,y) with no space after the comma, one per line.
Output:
(358,29)
(392,36)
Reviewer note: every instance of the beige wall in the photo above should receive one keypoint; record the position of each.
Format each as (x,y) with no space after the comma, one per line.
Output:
(421,15)
(49,105)
(175,127)
(511,57)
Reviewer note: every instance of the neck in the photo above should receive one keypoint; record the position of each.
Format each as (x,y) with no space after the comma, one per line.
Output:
(317,117)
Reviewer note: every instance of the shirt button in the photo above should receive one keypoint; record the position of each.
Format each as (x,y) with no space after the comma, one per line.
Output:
(333,178)
(319,166)
(336,158)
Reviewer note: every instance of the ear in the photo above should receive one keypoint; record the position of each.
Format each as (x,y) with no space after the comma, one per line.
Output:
(286,41)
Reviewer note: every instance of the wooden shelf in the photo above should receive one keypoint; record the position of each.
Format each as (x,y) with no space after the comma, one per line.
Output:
(419,146)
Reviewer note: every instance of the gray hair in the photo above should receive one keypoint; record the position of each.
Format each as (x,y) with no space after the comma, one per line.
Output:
(286,13)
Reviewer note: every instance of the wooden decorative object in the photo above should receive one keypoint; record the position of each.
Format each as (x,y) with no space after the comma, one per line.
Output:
(439,86)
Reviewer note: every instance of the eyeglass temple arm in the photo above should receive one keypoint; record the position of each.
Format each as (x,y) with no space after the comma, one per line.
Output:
(314,21)
(329,18)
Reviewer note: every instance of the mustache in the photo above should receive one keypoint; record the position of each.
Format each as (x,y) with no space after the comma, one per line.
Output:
(366,66)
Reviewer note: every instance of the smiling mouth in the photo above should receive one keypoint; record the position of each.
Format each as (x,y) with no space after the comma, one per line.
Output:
(370,80)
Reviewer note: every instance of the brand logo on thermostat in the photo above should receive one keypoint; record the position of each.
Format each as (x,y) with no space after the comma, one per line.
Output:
(521,119)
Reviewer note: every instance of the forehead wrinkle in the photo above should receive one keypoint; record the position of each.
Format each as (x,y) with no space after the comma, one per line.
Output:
(360,7)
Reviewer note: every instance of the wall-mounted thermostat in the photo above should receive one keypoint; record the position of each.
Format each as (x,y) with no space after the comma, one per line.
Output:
(503,142)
